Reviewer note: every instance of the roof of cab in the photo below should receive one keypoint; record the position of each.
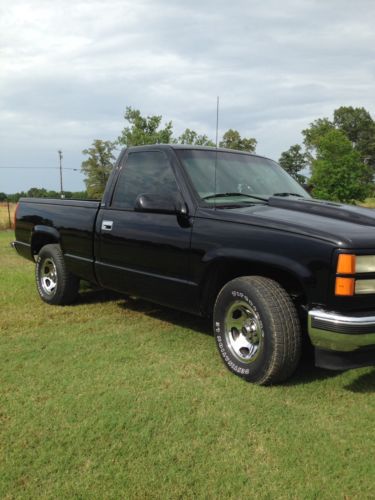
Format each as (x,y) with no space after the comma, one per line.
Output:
(192,147)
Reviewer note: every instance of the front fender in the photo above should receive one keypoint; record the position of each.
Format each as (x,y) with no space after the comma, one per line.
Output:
(253,257)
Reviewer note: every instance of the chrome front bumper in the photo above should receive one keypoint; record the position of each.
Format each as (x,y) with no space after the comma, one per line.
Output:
(336,332)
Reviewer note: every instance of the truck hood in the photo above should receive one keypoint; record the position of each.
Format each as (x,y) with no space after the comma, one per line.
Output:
(344,225)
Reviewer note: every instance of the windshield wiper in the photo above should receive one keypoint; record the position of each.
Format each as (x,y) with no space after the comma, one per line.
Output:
(288,194)
(227,195)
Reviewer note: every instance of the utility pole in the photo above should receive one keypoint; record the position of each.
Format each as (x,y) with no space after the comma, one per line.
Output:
(61,176)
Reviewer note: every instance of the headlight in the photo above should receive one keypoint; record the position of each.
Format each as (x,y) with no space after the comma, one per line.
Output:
(365,264)
(349,265)
(364,286)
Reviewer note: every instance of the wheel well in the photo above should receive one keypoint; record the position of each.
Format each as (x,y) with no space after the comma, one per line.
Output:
(225,270)
(39,240)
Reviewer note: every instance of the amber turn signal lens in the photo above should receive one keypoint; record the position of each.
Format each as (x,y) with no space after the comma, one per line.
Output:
(346,264)
(344,286)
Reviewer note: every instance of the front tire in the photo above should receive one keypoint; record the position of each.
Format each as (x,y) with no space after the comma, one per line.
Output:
(257,330)
(55,284)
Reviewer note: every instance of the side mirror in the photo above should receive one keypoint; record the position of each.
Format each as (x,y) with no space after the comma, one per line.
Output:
(160,204)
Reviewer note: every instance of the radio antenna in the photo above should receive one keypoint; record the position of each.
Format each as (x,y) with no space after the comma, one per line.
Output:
(217,141)
(217,120)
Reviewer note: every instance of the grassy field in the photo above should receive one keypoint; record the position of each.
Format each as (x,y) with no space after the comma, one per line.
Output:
(368,203)
(4,215)
(114,398)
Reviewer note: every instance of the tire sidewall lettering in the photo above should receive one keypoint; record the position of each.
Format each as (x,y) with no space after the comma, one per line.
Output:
(239,369)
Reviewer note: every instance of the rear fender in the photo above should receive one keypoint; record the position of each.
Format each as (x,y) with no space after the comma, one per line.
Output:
(41,236)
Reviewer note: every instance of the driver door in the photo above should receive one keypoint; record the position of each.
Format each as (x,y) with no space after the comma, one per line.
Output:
(139,253)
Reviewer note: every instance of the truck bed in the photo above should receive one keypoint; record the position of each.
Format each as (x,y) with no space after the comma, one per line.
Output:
(71,221)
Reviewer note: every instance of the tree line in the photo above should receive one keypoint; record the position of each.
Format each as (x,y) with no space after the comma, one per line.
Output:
(338,153)
(35,192)
(336,160)
(141,130)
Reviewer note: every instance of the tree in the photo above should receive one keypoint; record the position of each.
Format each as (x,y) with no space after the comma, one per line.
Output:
(98,166)
(3,197)
(14,197)
(356,123)
(76,195)
(35,192)
(144,130)
(293,161)
(312,135)
(338,172)
(233,140)
(192,137)
(359,127)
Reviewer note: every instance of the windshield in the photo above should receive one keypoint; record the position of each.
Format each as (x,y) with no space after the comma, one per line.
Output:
(255,178)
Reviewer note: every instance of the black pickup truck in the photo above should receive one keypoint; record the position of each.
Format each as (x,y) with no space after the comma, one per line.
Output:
(224,234)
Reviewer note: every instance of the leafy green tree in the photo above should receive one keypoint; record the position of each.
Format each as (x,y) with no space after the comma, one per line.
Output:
(14,197)
(359,127)
(76,195)
(192,137)
(98,166)
(233,140)
(317,129)
(293,161)
(144,130)
(356,123)
(3,196)
(338,172)
(55,194)
(35,192)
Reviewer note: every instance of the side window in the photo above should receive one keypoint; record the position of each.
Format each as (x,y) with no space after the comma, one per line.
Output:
(145,172)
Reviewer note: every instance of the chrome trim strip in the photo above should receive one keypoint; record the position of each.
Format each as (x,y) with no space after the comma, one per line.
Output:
(16,243)
(346,333)
(339,318)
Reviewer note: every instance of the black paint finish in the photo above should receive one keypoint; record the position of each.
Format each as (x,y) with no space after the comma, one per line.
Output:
(174,259)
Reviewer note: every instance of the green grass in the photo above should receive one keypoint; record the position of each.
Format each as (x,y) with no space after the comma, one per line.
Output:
(368,203)
(113,398)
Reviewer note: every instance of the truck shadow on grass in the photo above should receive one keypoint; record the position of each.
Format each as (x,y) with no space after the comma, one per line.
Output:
(168,315)
(155,311)
(364,384)
(306,372)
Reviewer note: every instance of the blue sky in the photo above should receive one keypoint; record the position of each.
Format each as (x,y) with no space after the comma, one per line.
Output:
(69,69)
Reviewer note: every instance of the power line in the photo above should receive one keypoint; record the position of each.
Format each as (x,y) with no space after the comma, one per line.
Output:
(49,168)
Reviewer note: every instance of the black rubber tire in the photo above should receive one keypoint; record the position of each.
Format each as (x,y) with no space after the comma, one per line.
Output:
(67,285)
(279,325)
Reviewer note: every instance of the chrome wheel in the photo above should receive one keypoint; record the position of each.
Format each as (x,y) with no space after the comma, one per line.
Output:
(243,331)
(48,276)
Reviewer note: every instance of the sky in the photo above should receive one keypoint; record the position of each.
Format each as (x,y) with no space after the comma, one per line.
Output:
(69,68)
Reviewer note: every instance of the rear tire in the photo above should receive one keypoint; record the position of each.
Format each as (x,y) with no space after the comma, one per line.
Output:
(55,284)
(257,330)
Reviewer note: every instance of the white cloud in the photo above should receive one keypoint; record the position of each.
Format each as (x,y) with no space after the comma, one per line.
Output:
(69,69)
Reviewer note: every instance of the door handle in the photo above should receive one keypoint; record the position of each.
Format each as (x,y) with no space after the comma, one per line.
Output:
(107,225)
